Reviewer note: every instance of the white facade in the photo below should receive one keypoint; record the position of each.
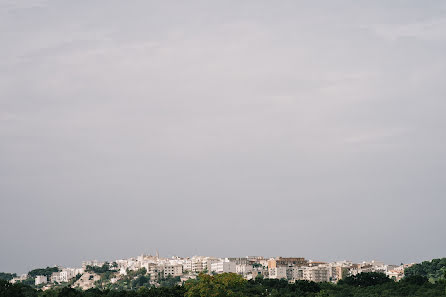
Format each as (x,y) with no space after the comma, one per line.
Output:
(92,263)
(66,274)
(198,265)
(223,267)
(278,272)
(55,277)
(296,273)
(317,273)
(187,265)
(19,279)
(209,262)
(243,269)
(40,279)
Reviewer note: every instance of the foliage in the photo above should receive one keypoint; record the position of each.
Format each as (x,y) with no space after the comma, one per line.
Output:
(43,271)
(222,285)
(276,287)
(134,280)
(7,276)
(28,281)
(170,281)
(226,284)
(415,279)
(366,279)
(100,269)
(433,270)
(16,290)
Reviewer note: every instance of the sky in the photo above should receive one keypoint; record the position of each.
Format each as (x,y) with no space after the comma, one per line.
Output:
(221,128)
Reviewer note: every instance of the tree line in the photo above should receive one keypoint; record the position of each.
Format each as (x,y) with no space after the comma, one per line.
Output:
(433,270)
(228,284)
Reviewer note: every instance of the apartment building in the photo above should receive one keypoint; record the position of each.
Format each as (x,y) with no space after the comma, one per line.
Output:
(173,270)
(279,261)
(223,267)
(243,269)
(278,272)
(317,273)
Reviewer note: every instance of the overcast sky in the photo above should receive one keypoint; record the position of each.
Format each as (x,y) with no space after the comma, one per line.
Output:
(221,128)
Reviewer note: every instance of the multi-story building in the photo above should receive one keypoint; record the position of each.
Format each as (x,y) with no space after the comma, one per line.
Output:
(66,274)
(296,273)
(340,273)
(187,265)
(317,273)
(279,261)
(239,261)
(40,279)
(243,269)
(198,265)
(278,272)
(195,264)
(208,262)
(173,270)
(55,277)
(223,266)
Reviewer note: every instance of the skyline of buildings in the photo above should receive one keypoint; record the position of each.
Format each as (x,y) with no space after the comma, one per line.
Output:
(157,268)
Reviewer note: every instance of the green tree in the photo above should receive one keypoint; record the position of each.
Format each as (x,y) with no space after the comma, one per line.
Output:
(7,276)
(221,285)
(43,271)
(366,279)
(433,270)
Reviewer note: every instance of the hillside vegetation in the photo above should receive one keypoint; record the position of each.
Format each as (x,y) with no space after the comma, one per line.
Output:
(433,270)
(227,284)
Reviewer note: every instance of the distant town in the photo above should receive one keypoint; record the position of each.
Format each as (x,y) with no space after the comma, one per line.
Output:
(155,270)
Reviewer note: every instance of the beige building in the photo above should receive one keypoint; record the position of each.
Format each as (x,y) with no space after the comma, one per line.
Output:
(279,272)
(173,270)
(275,262)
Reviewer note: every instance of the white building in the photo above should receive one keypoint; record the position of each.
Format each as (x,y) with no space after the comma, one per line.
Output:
(223,267)
(187,265)
(19,278)
(55,277)
(92,263)
(195,264)
(66,274)
(317,274)
(295,273)
(198,265)
(209,262)
(40,279)
(243,269)
(122,271)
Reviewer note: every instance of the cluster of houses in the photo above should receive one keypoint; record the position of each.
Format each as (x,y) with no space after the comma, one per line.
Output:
(291,269)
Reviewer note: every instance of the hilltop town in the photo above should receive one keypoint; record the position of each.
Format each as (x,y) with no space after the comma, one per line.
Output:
(148,270)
